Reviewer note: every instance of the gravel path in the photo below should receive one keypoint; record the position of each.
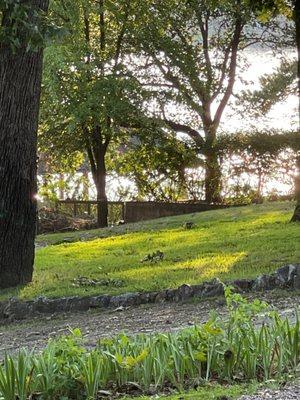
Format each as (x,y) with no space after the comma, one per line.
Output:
(35,333)
(287,393)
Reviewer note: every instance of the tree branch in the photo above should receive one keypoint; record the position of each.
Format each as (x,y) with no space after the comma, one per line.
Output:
(193,134)
(121,35)
(232,70)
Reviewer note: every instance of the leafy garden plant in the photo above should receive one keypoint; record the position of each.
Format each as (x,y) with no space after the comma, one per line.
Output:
(242,348)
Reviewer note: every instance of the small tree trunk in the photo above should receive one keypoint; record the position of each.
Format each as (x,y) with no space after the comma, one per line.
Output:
(102,208)
(85,189)
(20,85)
(61,186)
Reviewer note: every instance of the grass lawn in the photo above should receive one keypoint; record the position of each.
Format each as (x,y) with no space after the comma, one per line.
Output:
(233,243)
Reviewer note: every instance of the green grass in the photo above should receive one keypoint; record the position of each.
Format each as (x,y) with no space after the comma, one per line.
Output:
(234,243)
(210,392)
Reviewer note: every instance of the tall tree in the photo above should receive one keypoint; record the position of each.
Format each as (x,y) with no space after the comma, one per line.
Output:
(196,48)
(20,83)
(292,9)
(87,86)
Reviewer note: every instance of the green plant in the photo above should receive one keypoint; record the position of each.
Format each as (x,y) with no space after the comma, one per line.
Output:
(8,379)
(15,376)
(91,373)
(46,373)
(252,344)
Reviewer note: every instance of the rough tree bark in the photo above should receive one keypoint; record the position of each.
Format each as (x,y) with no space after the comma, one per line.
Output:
(102,209)
(296,216)
(20,85)
(212,179)
(212,167)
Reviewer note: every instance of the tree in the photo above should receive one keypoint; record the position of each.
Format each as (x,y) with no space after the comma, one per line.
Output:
(89,94)
(156,162)
(291,9)
(196,48)
(20,77)
(261,154)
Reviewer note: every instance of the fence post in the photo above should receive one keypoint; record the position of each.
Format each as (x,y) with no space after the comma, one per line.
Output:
(123,211)
(124,216)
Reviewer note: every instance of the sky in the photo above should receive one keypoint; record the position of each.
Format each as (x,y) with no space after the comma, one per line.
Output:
(283,115)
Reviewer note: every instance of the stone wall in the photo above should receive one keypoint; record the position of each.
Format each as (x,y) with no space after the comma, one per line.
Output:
(286,277)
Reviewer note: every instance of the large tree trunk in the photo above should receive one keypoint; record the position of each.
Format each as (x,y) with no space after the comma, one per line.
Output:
(212,179)
(212,168)
(100,181)
(20,84)
(296,216)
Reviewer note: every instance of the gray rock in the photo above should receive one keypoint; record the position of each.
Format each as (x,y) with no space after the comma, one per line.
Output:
(265,282)
(198,290)
(184,292)
(213,288)
(244,285)
(100,301)
(171,294)
(79,304)
(127,299)
(161,297)
(16,309)
(152,296)
(285,274)
(145,298)
(42,305)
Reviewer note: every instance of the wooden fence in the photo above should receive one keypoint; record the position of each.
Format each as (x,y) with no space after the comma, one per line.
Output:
(133,211)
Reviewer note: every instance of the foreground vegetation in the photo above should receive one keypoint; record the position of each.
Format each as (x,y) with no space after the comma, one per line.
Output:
(228,352)
(233,243)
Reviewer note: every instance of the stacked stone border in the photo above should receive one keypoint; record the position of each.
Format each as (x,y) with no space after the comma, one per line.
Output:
(286,277)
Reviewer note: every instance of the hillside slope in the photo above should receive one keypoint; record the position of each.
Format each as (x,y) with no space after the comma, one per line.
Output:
(233,243)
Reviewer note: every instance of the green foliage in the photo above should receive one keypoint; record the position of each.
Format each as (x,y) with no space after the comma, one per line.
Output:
(274,88)
(260,142)
(23,24)
(15,377)
(156,163)
(89,96)
(266,9)
(113,78)
(231,350)
(262,155)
